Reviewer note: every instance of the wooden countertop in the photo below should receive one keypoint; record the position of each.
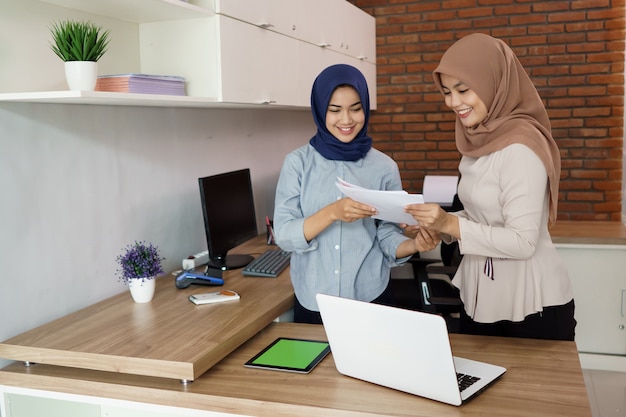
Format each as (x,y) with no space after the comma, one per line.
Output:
(543,378)
(168,337)
(589,232)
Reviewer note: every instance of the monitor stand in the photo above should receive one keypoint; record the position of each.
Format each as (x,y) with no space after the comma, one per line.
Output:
(233,261)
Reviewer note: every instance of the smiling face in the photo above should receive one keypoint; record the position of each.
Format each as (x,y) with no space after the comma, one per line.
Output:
(468,107)
(345,117)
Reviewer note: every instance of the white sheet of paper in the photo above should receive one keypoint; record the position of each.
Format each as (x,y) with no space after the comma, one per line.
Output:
(440,189)
(389,204)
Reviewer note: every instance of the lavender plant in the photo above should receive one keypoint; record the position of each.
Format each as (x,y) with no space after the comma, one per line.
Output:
(139,260)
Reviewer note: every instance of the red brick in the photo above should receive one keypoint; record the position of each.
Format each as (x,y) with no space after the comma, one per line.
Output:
(574,54)
(566,17)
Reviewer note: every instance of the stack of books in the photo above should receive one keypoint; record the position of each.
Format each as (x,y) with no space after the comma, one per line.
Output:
(142,84)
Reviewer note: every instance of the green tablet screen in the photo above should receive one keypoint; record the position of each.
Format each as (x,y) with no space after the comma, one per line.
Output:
(294,355)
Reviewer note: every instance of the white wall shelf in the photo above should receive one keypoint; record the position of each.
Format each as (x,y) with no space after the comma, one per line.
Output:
(196,42)
(130,99)
(138,11)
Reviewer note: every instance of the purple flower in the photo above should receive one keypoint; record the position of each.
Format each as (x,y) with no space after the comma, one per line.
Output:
(139,260)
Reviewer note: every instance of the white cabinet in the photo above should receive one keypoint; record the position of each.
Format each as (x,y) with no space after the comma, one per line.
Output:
(257,65)
(347,29)
(334,24)
(224,58)
(272,50)
(314,59)
(234,52)
(598,274)
(275,15)
(238,62)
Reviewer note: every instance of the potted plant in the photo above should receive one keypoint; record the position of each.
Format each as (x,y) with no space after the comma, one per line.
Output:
(139,265)
(80,44)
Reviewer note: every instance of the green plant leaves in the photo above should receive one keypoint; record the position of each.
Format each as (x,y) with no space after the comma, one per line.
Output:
(78,41)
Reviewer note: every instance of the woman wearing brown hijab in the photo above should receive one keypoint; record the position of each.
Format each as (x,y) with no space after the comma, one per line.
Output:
(511,279)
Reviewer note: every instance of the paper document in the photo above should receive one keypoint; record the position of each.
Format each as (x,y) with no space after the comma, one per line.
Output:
(440,189)
(389,204)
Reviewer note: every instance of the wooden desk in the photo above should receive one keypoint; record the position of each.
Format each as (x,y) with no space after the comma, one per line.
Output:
(168,337)
(544,378)
(589,232)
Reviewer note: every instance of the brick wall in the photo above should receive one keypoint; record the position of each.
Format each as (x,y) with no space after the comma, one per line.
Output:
(573,52)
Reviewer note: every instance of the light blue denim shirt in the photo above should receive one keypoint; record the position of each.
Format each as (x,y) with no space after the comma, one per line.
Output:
(350,260)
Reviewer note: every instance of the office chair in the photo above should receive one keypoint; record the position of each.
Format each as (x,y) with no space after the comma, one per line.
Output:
(436,294)
(431,289)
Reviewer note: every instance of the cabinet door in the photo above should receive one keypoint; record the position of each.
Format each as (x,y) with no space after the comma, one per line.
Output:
(339,26)
(256,65)
(314,59)
(276,15)
(359,34)
(598,274)
(369,71)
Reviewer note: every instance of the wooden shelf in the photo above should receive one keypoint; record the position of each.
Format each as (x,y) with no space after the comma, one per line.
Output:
(130,99)
(138,11)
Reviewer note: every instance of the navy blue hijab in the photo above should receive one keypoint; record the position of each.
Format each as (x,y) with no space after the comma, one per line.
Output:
(324,142)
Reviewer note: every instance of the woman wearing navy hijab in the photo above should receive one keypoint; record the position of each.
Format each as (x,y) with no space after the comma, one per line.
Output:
(337,247)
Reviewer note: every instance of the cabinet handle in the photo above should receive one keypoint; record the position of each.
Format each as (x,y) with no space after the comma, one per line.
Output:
(622,306)
(265,25)
(323,45)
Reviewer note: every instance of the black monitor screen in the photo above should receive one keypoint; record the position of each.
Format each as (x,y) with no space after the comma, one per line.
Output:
(229,216)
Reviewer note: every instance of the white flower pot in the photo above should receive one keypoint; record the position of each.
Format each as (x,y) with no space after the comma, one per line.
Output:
(142,289)
(81,75)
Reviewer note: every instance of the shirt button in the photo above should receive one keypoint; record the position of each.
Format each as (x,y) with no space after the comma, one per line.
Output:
(336,272)
(337,247)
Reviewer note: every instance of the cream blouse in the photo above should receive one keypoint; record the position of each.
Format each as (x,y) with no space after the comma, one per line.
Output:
(505,216)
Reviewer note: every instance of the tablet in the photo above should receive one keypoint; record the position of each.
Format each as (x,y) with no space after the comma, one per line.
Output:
(291,355)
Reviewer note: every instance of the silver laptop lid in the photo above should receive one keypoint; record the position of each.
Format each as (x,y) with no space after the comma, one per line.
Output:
(397,348)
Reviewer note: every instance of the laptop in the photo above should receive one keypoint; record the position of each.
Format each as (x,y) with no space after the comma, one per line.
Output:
(401,349)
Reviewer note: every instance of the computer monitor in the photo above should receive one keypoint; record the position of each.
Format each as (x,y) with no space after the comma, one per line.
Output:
(229,216)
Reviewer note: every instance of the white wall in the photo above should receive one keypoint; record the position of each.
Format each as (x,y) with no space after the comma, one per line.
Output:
(79,182)
(28,64)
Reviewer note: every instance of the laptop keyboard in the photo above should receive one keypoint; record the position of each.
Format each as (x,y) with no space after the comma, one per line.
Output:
(269,264)
(465,380)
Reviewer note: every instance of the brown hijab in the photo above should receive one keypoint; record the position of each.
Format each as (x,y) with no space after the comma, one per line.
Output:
(515,111)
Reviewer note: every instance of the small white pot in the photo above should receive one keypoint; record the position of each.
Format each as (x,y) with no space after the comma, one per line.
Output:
(81,75)
(142,289)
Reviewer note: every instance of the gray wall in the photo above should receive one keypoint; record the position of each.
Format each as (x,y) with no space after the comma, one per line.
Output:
(79,182)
